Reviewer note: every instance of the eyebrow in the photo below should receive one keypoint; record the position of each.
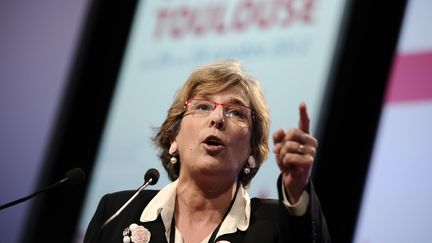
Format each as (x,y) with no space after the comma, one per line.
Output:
(231,100)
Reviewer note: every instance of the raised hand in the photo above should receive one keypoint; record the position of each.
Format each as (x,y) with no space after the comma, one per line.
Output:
(295,152)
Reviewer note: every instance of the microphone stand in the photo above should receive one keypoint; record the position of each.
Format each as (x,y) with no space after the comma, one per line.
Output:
(32,195)
(150,178)
(127,203)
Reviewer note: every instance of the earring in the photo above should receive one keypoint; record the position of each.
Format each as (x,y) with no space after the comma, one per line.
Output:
(171,151)
(173,160)
(246,170)
(251,164)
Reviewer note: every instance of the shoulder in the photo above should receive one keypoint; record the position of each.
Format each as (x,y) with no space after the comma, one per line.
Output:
(128,193)
(262,208)
(116,199)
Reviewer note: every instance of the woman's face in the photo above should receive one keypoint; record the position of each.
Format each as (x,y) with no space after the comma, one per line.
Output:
(215,143)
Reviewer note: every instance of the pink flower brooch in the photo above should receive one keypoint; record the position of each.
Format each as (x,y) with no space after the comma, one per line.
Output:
(136,234)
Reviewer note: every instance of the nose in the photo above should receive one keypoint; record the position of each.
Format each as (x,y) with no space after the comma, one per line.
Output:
(217,117)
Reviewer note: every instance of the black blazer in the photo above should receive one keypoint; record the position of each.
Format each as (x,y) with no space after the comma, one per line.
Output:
(270,221)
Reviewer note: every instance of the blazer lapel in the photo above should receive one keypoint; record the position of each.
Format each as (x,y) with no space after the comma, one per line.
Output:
(157,230)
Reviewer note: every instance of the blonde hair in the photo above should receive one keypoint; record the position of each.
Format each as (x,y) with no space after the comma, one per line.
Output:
(210,79)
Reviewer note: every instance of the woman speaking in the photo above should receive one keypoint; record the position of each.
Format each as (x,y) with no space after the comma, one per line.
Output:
(212,143)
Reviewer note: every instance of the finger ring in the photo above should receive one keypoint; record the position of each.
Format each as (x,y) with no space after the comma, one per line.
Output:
(300,149)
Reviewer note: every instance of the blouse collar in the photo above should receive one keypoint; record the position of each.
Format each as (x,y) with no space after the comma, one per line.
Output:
(164,202)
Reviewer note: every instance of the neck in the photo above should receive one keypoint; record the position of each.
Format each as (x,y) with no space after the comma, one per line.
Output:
(199,197)
(199,210)
(199,203)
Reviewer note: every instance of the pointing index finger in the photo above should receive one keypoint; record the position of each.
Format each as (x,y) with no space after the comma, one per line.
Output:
(304,118)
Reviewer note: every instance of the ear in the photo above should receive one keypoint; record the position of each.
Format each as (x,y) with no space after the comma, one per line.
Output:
(173,147)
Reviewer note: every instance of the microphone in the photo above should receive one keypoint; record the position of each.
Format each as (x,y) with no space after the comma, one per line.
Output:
(73,177)
(151,177)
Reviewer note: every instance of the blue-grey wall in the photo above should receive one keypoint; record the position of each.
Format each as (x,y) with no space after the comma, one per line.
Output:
(37,44)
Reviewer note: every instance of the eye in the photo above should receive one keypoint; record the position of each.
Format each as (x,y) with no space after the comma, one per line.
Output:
(235,111)
(203,106)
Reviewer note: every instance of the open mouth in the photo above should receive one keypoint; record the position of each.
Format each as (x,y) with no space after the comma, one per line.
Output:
(213,141)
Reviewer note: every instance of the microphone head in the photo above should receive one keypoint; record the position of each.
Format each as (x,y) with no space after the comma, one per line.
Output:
(75,176)
(151,174)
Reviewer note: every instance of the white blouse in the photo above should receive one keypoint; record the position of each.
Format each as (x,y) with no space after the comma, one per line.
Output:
(238,217)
